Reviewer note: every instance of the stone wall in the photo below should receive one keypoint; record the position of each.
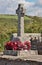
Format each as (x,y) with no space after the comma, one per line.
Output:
(27,36)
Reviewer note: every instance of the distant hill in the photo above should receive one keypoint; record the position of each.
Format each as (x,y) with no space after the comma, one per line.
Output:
(8,25)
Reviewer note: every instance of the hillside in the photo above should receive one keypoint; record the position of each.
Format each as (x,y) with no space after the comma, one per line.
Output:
(8,25)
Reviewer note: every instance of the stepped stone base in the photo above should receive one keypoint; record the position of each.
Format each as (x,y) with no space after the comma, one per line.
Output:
(20,53)
(10,52)
(30,52)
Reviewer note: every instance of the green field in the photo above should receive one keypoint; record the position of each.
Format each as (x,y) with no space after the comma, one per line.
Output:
(8,25)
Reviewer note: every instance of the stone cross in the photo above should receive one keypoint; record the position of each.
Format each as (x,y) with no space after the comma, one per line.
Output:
(20,12)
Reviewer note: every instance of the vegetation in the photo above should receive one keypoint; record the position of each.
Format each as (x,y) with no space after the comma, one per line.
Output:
(9,23)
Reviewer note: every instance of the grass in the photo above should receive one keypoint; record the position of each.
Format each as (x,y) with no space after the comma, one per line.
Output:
(9,23)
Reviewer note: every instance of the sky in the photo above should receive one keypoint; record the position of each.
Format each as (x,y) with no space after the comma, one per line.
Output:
(33,7)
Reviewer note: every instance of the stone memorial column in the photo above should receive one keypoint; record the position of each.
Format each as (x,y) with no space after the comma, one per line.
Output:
(20,12)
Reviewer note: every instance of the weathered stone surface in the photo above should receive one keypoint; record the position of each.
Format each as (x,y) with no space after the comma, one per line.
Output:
(10,52)
(20,53)
(26,53)
(37,58)
(20,12)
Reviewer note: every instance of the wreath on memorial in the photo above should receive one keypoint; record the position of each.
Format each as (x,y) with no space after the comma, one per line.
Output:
(17,45)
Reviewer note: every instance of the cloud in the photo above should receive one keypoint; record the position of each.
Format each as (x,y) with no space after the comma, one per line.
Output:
(25,3)
(35,12)
(40,2)
(10,6)
(36,9)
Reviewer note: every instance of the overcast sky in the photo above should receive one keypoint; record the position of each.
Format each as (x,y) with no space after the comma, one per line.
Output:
(33,7)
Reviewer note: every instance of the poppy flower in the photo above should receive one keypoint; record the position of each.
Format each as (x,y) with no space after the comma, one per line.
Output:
(15,46)
(9,45)
(20,45)
(27,45)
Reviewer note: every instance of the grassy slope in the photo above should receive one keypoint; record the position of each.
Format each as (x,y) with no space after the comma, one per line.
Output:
(8,25)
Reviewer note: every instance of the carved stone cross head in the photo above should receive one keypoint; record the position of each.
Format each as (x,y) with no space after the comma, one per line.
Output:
(20,10)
